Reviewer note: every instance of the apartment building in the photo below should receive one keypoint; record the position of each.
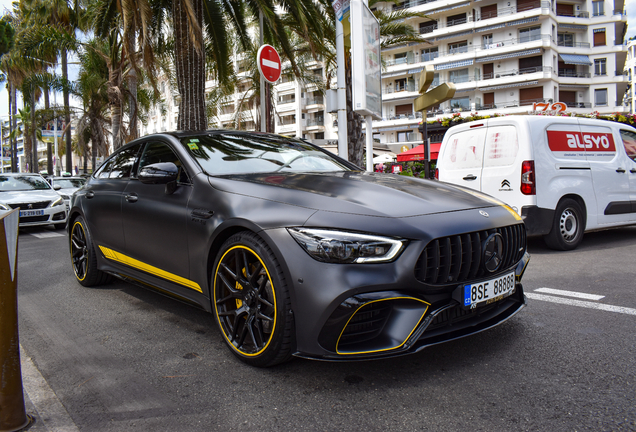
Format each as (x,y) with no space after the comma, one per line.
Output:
(630,73)
(503,56)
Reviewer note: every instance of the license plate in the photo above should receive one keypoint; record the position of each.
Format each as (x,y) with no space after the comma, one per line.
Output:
(488,291)
(24,213)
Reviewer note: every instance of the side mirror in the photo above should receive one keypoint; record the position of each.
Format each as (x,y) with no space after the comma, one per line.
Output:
(57,187)
(158,173)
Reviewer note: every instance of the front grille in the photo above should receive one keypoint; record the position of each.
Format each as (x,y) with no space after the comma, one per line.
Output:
(35,205)
(366,324)
(26,219)
(457,259)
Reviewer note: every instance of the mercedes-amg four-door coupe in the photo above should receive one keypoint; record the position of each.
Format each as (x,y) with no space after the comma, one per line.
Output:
(295,251)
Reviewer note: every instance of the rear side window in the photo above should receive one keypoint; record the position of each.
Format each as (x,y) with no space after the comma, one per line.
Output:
(629,141)
(122,166)
(465,149)
(502,146)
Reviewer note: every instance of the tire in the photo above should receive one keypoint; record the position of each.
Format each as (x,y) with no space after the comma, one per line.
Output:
(568,226)
(250,300)
(83,259)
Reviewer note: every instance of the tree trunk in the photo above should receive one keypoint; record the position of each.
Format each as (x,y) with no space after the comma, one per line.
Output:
(67,115)
(49,145)
(114,99)
(132,98)
(190,68)
(34,142)
(12,140)
(354,122)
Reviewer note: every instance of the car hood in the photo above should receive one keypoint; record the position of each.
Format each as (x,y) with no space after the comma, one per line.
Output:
(363,193)
(12,197)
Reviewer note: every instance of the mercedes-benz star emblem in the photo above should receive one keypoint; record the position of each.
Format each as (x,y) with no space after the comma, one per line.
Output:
(493,252)
(483,213)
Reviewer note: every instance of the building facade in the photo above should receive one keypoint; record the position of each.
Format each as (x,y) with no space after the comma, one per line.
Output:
(503,56)
(630,73)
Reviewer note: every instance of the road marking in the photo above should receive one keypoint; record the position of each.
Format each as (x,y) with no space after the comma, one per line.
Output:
(569,293)
(580,303)
(47,234)
(50,410)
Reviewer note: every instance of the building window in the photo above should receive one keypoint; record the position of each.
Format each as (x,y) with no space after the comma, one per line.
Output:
(599,37)
(429,54)
(458,47)
(454,20)
(600,97)
(565,39)
(400,58)
(428,27)
(600,66)
(459,76)
(460,104)
(598,8)
(403,136)
(529,34)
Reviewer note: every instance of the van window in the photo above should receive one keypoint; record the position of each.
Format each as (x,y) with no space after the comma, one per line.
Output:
(465,149)
(501,146)
(629,141)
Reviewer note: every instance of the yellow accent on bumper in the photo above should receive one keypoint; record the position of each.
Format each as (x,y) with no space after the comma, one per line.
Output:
(136,264)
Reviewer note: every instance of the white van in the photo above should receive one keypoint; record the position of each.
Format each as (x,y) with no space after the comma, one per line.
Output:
(563,175)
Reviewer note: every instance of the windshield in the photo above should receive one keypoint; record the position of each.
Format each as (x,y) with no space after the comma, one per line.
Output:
(228,153)
(69,183)
(22,183)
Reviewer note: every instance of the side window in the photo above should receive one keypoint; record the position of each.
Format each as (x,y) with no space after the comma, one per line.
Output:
(629,141)
(465,149)
(123,162)
(104,170)
(501,146)
(156,152)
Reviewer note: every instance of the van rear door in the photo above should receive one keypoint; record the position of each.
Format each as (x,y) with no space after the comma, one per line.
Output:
(461,156)
(628,137)
(501,175)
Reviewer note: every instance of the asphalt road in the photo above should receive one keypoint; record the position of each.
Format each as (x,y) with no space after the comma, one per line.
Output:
(123,358)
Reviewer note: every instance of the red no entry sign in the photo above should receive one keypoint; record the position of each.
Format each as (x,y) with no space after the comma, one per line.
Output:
(269,64)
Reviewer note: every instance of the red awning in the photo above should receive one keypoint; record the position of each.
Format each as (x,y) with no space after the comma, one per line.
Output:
(417,153)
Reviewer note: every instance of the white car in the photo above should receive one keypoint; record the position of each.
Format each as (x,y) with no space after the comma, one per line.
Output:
(39,203)
(67,187)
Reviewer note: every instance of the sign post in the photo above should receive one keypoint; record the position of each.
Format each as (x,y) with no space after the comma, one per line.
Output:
(270,67)
(13,415)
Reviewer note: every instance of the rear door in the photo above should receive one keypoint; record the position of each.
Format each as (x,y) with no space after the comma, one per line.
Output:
(461,156)
(501,174)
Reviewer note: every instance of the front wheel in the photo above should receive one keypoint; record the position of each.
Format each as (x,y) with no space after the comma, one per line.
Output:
(251,301)
(567,227)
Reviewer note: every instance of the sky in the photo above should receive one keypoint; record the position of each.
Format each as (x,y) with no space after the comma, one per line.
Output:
(630,7)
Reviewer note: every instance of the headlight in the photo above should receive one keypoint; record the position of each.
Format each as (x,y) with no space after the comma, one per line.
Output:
(57,202)
(4,207)
(346,247)
(65,197)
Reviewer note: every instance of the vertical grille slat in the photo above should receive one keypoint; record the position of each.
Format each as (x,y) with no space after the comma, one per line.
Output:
(458,258)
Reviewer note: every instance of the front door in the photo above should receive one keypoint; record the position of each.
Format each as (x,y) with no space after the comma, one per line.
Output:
(610,173)
(155,220)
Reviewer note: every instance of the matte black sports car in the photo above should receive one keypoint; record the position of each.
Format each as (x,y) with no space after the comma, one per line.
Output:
(295,251)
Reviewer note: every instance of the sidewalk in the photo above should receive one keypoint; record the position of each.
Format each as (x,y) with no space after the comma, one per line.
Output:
(41,402)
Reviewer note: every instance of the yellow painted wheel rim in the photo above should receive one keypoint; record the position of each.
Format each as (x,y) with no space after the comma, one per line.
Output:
(245,301)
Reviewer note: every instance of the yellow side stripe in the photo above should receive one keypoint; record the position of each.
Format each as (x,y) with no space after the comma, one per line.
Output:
(131,262)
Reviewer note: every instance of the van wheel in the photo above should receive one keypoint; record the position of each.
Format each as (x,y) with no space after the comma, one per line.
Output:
(567,227)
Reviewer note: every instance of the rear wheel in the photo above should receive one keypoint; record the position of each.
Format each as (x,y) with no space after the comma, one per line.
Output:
(567,227)
(251,301)
(83,257)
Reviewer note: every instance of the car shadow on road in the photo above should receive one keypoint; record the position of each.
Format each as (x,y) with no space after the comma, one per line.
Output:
(597,240)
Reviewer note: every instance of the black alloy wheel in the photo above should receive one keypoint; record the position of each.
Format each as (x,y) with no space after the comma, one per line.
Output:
(251,301)
(83,257)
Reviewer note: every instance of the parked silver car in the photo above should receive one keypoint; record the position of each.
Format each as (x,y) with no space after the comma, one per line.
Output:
(67,187)
(39,203)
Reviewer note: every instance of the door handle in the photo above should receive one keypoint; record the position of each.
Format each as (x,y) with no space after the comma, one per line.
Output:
(202,213)
(633,170)
(620,170)
(90,194)
(470,177)
(131,198)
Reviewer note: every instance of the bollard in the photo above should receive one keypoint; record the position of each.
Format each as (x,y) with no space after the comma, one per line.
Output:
(13,415)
